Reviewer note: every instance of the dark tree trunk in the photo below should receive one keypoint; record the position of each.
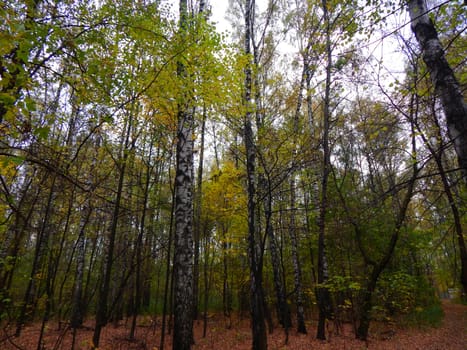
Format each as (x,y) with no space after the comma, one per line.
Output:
(78,306)
(168,275)
(283,311)
(15,235)
(226,289)
(446,85)
(54,255)
(254,243)
(104,290)
(76,319)
(455,109)
(197,218)
(139,248)
(322,293)
(40,253)
(437,156)
(301,328)
(379,266)
(457,223)
(366,304)
(207,272)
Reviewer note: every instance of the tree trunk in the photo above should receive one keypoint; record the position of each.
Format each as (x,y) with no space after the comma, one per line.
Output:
(78,305)
(42,241)
(437,156)
(183,255)
(139,247)
(183,258)
(283,311)
(54,256)
(378,267)
(207,272)
(197,218)
(366,304)
(455,109)
(446,85)
(457,222)
(101,312)
(14,237)
(226,289)
(168,274)
(301,327)
(76,319)
(254,245)
(322,293)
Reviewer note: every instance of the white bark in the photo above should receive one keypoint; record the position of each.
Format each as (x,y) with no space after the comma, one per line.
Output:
(446,85)
(183,243)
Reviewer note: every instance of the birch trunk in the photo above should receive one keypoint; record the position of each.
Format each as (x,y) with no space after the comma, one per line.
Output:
(183,258)
(183,254)
(446,85)
(254,253)
(301,327)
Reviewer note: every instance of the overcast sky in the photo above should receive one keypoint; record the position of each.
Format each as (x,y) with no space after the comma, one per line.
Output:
(218,14)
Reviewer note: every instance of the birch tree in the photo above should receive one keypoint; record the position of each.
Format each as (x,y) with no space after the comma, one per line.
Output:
(183,254)
(254,245)
(447,87)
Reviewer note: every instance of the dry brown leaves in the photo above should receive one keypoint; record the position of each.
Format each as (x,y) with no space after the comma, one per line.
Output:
(452,335)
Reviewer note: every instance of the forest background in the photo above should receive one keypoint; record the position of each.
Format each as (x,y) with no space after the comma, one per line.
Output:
(151,165)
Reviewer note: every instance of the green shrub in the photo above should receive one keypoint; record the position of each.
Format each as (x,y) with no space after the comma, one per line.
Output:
(430,316)
(412,298)
(397,293)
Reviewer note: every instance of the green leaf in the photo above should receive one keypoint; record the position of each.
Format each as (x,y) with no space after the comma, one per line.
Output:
(42,132)
(12,160)
(17,160)
(7,99)
(30,104)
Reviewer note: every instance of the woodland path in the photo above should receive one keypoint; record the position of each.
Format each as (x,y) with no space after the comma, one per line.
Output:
(452,334)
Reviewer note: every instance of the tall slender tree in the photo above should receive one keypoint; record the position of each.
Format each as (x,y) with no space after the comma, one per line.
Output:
(183,254)
(254,244)
(447,87)
(102,312)
(322,292)
(449,92)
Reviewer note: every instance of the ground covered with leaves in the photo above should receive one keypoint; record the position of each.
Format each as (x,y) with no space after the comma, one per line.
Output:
(450,335)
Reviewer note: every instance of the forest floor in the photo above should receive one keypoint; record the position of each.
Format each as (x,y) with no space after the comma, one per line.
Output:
(451,335)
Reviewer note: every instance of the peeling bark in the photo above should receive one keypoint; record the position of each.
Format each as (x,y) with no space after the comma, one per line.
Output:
(183,242)
(446,85)
(254,254)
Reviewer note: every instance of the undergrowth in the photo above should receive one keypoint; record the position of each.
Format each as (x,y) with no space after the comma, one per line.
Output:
(429,316)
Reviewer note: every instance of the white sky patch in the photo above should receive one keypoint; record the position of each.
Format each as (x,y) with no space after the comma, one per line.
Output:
(219,10)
